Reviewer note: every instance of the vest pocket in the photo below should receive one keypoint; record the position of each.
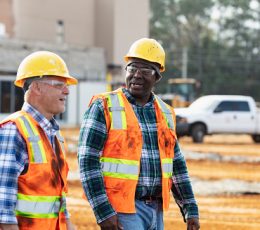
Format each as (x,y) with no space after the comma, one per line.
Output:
(36,173)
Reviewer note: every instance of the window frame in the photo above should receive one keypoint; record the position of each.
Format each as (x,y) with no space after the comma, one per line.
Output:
(235,106)
(15,93)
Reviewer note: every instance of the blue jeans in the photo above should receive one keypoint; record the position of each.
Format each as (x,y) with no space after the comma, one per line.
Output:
(148,216)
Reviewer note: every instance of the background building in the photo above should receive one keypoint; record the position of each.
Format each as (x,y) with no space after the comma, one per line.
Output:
(92,36)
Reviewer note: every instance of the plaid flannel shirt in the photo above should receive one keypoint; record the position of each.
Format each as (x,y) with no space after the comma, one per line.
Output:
(13,157)
(91,143)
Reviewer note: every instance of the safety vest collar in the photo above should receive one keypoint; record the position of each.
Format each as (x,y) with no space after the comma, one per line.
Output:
(117,111)
(36,148)
(167,113)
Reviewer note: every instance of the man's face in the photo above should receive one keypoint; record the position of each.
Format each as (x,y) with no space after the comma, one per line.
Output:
(140,79)
(54,91)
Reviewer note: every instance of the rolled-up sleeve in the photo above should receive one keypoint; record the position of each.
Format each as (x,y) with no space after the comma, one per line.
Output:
(13,157)
(181,188)
(92,139)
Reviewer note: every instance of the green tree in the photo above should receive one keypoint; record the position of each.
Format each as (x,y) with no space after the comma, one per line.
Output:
(226,57)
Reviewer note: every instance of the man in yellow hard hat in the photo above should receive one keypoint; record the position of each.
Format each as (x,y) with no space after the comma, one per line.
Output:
(129,155)
(33,167)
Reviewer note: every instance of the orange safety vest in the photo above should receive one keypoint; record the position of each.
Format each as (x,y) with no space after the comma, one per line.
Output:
(41,194)
(120,161)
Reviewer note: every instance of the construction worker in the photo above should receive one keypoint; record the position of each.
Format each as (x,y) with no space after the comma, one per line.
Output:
(129,155)
(33,167)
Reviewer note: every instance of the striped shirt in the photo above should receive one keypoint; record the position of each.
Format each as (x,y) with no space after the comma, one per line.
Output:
(13,158)
(92,139)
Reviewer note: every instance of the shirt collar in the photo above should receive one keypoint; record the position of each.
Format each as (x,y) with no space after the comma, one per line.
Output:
(132,100)
(42,121)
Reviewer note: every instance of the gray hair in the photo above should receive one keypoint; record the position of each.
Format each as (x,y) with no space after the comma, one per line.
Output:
(28,82)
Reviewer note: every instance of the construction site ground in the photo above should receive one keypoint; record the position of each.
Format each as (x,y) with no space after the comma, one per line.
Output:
(225,173)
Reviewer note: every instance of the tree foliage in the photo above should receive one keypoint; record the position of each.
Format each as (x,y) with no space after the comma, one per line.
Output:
(222,38)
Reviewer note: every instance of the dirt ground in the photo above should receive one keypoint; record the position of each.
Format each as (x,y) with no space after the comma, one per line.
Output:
(224,211)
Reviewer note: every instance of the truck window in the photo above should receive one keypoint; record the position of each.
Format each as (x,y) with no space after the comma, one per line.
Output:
(241,106)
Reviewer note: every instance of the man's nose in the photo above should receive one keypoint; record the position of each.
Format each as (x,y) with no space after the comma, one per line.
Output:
(66,90)
(137,73)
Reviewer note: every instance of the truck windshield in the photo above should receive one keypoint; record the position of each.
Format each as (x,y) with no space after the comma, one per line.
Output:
(202,103)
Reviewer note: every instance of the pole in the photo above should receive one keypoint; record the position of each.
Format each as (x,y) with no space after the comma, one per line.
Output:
(184,62)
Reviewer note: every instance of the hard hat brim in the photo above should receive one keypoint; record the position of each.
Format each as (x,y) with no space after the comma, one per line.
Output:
(155,66)
(69,80)
(127,58)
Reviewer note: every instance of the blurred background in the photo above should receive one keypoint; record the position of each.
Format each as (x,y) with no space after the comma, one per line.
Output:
(212,47)
(215,44)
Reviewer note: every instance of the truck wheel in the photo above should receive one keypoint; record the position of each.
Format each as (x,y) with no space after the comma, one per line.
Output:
(198,132)
(256,138)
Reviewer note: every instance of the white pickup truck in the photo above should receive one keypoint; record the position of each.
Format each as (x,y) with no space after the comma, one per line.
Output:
(214,114)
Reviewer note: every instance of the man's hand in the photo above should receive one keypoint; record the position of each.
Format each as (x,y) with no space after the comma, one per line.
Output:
(69,225)
(9,227)
(111,223)
(193,224)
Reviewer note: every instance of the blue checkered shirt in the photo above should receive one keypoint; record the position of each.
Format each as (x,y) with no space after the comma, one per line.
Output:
(13,157)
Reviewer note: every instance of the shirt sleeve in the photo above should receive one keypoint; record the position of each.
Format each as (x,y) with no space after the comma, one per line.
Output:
(93,135)
(13,157)
(66,212)
(181,188)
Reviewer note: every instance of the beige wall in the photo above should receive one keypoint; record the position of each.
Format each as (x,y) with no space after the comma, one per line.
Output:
(92,25)
(110,24)
(118,24)
(37,20)
(104,26)
(6,16)
(131,22)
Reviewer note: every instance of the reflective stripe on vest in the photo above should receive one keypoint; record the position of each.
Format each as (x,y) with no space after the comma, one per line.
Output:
(166,112)
(167,167)
(39,206)
(33,136)
(120,168)
(117,111)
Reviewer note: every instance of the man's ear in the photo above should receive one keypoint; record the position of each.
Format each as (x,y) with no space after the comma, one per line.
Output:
(35,88)
(158,78)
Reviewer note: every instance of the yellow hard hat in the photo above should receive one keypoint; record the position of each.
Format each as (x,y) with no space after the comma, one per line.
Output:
(43,63)
(149,50)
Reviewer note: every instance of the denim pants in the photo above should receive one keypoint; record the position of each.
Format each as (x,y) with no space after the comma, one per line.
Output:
(148,216)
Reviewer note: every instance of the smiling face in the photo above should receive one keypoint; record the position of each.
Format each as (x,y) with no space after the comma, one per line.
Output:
(54,92)
(49,95)
(140,80)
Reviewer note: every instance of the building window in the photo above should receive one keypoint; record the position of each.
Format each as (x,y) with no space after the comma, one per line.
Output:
(2,30)
(60,31)
(11,97)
